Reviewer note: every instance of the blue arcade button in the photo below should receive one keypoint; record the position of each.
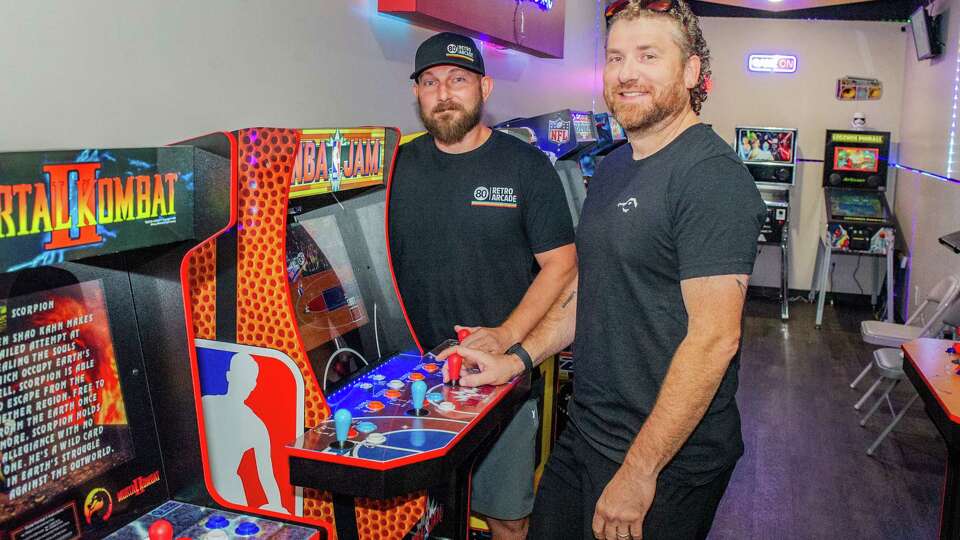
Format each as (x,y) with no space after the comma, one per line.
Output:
(217,522)
(366,427)
(247,529)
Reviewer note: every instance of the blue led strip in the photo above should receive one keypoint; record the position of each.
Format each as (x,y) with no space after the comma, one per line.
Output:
(935,176)
(953,119)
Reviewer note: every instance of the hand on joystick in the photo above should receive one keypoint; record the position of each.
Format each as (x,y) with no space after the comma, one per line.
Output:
(454,361)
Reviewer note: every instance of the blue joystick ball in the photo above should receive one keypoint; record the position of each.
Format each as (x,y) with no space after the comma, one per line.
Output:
(419,391)
(341,421)
(217,522)
(247,529)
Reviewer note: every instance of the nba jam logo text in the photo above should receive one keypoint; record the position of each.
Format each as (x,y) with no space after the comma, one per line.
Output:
(559,130)
(337,159)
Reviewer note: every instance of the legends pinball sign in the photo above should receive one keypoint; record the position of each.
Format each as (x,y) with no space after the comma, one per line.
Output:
(66,205)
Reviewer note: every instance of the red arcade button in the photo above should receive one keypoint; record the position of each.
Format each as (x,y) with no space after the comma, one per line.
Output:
(375,406)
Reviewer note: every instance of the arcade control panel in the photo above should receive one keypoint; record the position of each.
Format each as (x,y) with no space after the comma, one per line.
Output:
(401,424)
(187,521)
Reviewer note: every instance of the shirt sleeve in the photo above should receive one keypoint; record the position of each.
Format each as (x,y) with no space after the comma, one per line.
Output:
(717,215)
(546,216)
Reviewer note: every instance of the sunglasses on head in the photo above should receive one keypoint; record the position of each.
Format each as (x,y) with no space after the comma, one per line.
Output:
(653,5)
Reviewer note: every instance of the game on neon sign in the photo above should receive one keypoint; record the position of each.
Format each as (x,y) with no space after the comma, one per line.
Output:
(772,63)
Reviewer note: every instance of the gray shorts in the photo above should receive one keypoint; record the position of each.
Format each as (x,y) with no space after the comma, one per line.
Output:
(503,483)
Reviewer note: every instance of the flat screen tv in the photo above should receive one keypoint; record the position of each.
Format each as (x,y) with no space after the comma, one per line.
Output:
(924,34)
(766,145)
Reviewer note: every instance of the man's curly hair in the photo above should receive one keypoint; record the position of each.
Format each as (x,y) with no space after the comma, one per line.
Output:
(690,40)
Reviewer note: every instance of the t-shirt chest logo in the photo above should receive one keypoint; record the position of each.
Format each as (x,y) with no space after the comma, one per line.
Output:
(497,197)
(627,205)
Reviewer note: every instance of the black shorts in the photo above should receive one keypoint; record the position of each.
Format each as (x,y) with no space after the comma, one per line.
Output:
(575,477)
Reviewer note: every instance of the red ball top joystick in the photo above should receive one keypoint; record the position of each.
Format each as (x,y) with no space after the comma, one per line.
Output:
(160,529)
(462,334)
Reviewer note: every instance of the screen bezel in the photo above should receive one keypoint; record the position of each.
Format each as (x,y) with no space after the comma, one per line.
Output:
(922,21)
(124,329)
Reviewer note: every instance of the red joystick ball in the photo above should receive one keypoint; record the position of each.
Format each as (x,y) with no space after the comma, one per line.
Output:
(462,334)
(161,529)
(453,367)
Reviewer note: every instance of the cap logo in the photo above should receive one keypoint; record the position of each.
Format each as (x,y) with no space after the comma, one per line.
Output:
(460,51)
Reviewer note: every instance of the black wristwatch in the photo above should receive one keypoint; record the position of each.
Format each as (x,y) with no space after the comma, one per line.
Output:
(524,356)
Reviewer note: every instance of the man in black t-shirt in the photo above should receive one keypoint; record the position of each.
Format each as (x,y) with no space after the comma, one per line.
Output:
(666,242)
(480,237)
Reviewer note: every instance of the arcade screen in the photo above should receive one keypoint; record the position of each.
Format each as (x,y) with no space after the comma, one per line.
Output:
(341,288)
(865,205)
(63,420)
(326,299)
(766,145)
(847,158)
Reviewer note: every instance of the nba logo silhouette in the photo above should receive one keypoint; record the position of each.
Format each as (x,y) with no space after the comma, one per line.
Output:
(252,405)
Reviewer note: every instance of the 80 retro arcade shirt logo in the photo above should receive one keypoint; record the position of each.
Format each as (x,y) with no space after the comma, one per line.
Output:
(497,197)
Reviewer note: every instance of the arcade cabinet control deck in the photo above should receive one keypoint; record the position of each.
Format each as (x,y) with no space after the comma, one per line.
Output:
(187,521)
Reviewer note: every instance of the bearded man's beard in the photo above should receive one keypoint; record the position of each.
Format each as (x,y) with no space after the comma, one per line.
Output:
(452,127)
(636,117)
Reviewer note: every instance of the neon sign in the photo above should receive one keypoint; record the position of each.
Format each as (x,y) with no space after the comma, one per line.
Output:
(772,63)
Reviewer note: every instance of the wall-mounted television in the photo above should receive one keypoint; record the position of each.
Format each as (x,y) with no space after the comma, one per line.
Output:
(925,34)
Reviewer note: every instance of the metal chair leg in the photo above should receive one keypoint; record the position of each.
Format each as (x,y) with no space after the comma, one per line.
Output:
(896,420)
(862,375)
(876,404)
(868,393)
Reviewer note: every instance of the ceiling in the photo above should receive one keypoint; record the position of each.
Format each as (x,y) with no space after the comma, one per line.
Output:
(863,10)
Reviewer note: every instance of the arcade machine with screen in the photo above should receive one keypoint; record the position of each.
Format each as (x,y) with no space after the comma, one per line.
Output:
(610,136)
(92,352)
(770,155)
(859,221)
(564,136)
(298,334)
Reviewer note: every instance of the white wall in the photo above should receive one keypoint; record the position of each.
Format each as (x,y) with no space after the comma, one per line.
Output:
(826,51)
(134,73)
(928,208)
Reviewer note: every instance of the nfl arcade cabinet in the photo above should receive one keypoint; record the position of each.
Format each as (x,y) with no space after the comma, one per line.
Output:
(298,335)
(770,155)
(859,220)
(564,136)
(610,136)
(94,377)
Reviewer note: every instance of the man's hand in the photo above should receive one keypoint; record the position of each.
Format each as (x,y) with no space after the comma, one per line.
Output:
(623,505)
(494,369)
(491,340)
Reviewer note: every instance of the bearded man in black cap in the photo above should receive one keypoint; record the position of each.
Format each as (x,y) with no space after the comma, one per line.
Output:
(481,238)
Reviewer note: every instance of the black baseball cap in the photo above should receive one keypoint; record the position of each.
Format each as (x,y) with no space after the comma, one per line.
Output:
(447,48)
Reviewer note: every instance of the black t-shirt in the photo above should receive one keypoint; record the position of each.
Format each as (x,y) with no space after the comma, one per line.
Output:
(689,210)
(464,229)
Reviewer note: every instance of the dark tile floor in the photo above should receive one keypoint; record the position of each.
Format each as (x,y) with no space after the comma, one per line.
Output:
(805,473)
